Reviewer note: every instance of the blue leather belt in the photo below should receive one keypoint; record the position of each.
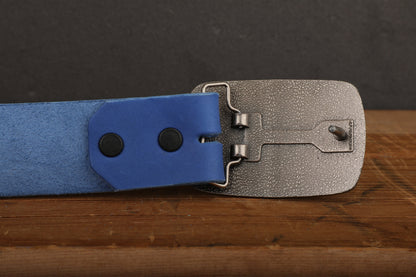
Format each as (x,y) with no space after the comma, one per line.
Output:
(281,138)
(109,145)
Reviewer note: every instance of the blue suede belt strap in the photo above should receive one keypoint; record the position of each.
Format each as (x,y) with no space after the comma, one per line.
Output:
(53,147)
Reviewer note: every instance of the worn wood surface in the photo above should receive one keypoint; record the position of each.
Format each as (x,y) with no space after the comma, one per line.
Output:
(370,229)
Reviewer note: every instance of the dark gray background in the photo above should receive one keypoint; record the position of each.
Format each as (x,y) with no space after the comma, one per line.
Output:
(67,50)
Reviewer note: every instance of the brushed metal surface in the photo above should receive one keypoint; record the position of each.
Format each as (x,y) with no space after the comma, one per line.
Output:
(277,169)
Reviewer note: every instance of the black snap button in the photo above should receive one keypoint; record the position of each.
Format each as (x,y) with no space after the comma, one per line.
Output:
(170,139)
(111,145)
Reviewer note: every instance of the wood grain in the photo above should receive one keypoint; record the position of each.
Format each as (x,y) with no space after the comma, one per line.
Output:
(209,261)
(375,221)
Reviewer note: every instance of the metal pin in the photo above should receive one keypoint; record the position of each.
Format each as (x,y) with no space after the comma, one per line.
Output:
(339,133)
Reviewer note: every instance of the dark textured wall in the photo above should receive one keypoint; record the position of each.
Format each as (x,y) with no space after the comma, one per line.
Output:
(66,50)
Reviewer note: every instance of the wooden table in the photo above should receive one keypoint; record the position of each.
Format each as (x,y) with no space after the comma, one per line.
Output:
(181,231)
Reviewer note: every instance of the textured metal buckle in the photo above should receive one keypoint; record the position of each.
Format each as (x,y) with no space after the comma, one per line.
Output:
(315,120)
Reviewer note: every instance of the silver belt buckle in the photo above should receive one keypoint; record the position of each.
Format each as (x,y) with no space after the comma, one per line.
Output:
(288,138)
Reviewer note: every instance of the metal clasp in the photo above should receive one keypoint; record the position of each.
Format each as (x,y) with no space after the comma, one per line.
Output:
(240,120)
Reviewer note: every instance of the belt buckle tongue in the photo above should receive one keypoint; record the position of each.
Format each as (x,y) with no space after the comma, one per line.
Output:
(288,138)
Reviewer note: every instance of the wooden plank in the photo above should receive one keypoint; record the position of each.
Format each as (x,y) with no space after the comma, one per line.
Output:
(380,213)
(390,122)
(203,261)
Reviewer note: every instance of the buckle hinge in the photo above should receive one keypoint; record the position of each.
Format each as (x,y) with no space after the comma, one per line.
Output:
(240,120)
